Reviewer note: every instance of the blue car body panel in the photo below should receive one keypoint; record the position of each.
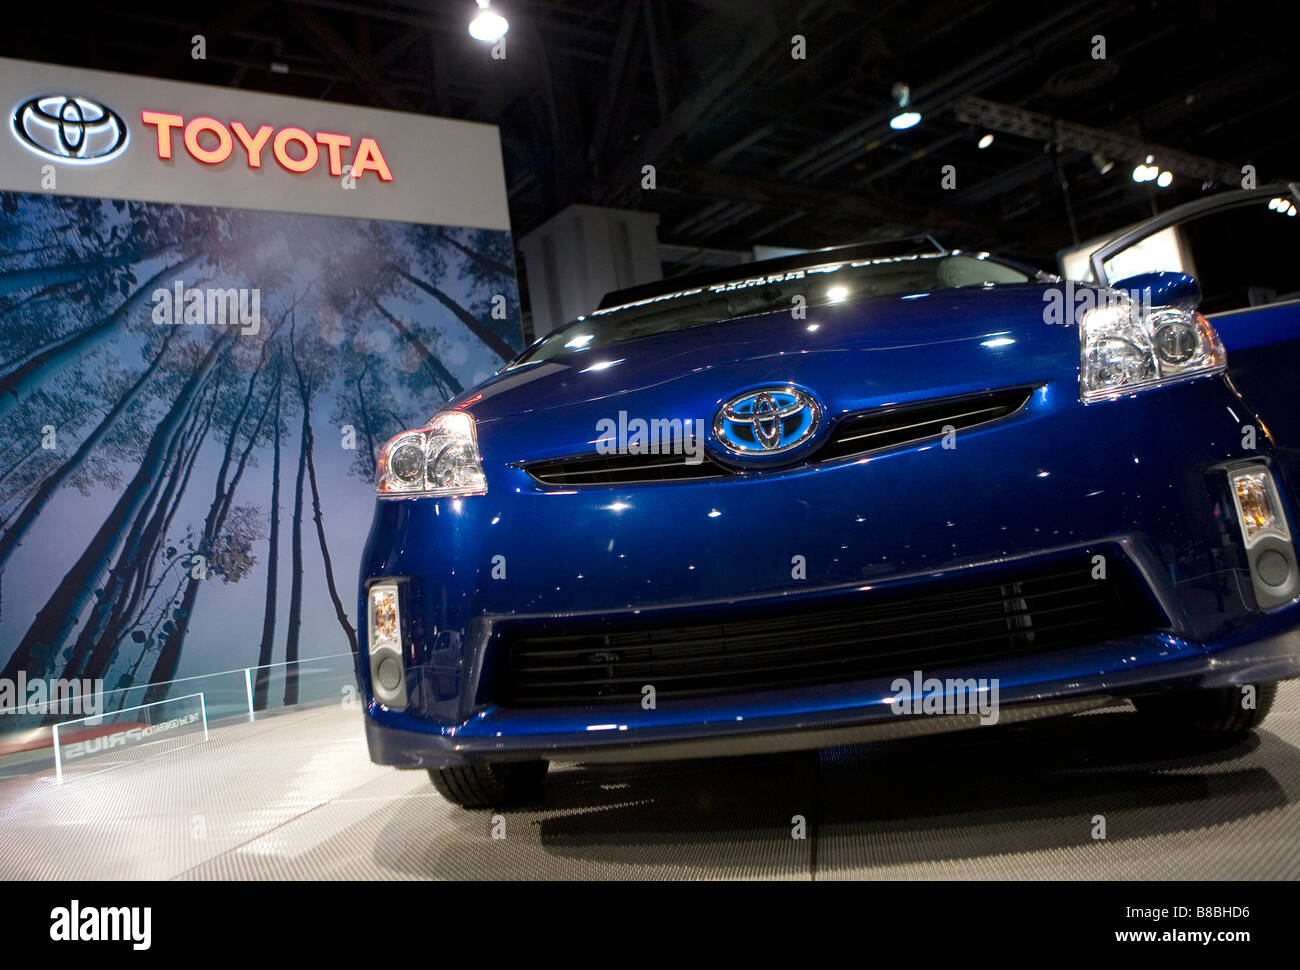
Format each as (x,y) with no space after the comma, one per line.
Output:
(1140,480)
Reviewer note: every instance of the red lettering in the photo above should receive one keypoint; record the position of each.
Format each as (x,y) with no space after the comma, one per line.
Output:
(209,156)
(253,144)
(334,143)
(370,158)
(165,123)
(304,164)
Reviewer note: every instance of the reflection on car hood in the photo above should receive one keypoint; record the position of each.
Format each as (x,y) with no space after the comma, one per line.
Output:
(1007,314)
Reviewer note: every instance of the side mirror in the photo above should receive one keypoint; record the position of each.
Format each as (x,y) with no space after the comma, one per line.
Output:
(1162,289)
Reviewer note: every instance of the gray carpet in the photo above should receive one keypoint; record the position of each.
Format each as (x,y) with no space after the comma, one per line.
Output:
(295,797)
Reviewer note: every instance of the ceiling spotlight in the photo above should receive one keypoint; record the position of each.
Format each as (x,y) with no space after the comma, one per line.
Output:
(1290,210)
(1165,179)
(1101,163)
(1150,159)
(1277,204)
(1140,174)
(902,95)
(986,141)
(487,26)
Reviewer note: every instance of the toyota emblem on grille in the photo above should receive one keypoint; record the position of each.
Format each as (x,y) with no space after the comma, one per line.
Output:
(70,128)
(767,421)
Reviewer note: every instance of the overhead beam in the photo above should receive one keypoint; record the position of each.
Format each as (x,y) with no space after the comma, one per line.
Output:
(1011,120)
(616,82)
(328,41)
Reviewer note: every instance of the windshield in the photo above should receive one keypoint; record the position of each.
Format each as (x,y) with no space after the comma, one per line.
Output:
(819,285)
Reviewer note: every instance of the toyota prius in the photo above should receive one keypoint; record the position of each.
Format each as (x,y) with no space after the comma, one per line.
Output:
(847,495)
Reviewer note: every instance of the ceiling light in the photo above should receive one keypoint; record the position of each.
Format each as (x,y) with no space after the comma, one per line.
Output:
(986,141)
(902,96)
(1165,179)
(1102,163)
(1290,210)
(837,293)
(487,26)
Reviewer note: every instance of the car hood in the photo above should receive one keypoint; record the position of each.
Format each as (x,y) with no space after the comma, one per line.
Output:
(851,356)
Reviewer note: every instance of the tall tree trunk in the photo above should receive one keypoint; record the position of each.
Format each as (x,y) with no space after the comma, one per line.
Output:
(13,469)
(339,611)
(17,526)
(29,277)
(309,446)
(487,262)
(111,601)
(170,654)
(40,296)
(272,569)
(43,363)
(65,606)
(295,582)
(367,426)
(489,337)
(130,578)
(440,375)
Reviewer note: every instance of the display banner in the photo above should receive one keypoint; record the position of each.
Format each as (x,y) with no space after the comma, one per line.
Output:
(215,306)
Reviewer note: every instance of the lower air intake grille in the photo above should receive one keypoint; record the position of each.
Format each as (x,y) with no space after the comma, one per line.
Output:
(885,633)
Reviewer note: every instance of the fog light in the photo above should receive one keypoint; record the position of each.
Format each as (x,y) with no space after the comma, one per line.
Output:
(1273,568)
(384,632)
(385,619)
(389,674)
(1272,559)
(1257,506)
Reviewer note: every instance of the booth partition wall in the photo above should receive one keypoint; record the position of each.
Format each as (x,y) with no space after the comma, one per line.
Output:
(215,306)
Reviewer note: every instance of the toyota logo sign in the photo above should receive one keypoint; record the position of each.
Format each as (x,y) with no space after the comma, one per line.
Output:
(70,128)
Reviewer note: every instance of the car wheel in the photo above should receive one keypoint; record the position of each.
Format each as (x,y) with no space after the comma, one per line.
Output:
(1217,711)
(490,785)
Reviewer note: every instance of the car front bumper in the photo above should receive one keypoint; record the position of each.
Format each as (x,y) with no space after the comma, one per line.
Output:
(1141,480)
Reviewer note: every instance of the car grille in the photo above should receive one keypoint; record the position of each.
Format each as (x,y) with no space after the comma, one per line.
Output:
(864,433)
(615,469)
(854,435)
(882,634)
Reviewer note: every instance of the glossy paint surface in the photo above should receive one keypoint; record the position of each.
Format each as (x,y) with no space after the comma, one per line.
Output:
(1140,480)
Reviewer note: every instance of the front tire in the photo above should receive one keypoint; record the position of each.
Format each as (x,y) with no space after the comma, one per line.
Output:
(1216,711)
(490,785)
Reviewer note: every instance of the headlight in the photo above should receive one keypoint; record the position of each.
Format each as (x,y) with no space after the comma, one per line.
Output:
(441,459)
(1125,348)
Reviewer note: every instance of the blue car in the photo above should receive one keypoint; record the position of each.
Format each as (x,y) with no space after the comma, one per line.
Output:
(862,493)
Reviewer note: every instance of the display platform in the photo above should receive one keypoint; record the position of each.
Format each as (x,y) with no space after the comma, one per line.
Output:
(294,796)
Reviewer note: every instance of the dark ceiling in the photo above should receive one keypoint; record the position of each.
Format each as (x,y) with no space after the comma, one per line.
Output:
(751,145)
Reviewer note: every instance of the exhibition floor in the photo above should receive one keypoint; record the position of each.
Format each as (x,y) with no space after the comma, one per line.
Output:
(295,797)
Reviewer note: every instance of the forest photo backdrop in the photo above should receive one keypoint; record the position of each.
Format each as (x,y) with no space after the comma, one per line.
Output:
(190,498)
